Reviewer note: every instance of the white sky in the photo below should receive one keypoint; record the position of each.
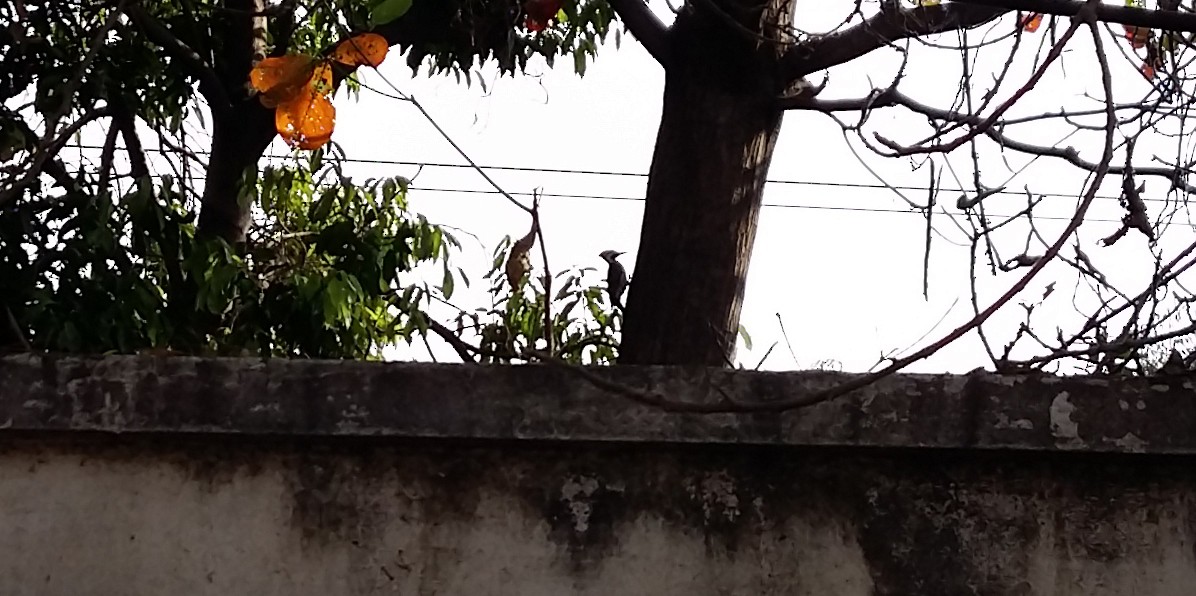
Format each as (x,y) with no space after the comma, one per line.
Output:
(845,281)
(837,260)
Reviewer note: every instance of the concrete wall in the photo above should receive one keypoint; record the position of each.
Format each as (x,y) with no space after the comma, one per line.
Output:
(143,476)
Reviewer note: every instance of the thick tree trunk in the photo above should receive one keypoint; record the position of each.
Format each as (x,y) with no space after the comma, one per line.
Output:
(241,131)
(717,133)
(239,138)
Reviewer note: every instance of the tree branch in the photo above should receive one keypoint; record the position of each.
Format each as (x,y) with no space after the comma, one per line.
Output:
(881,29)
(891,97)
(1107,13)
(45,154)
(646,28)
(884,28)
(125,122)
(209,82)
(464,350)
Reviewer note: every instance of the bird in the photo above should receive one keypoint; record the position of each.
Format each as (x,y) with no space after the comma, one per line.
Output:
(616,277)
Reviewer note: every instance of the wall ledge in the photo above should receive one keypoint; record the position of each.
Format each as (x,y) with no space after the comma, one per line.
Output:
(312,398)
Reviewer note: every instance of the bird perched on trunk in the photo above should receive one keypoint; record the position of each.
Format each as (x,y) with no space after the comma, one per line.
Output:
(616,277)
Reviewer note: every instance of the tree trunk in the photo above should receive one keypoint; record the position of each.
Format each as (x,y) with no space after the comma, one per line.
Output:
(241,131)
(717,133)
(239,138)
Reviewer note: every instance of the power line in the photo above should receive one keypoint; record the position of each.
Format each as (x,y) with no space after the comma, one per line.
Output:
(466,191)
(821,183)
(765,204)
(613,173)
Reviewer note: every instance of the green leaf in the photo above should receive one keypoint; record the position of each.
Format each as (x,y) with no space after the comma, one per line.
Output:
(385,11)
(446,287)
(579,62)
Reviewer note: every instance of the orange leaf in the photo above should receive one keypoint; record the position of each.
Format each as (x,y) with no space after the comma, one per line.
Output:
(282,78)
(307,120)
(367,48)
(321,79)
(1148,70)
(1031,22)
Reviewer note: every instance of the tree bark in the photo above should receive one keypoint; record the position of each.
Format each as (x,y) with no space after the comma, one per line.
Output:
(239,139)
(713,149)
(241,131)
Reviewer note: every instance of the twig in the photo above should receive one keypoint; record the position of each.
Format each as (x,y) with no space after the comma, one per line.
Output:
(464,350)
(988,122)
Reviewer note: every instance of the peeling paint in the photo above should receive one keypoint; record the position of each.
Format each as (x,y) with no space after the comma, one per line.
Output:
(1065,430)
(576,494)
(717,493)
(38,404)
(1003,422)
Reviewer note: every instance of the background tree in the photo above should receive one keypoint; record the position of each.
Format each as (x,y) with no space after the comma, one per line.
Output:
(733,68)
(293,260)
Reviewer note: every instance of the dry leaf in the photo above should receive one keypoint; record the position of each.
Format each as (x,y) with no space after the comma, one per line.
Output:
(282,78)
(307,120)
(366,49)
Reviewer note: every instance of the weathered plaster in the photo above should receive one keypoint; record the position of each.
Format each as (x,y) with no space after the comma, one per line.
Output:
(146,476)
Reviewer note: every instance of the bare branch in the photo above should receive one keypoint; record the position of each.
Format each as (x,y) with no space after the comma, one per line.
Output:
(891,97)
(988,122)
(880,30)
(1107,13)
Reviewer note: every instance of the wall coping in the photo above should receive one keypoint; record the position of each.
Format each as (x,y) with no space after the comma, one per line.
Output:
(313,398)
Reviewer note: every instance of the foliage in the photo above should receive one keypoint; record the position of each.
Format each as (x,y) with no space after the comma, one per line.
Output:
(107,260)
(582,327)
(127,273)
(509,34)
(298,87)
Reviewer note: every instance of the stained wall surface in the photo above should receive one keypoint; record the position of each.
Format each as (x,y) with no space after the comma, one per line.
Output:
(147,476)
